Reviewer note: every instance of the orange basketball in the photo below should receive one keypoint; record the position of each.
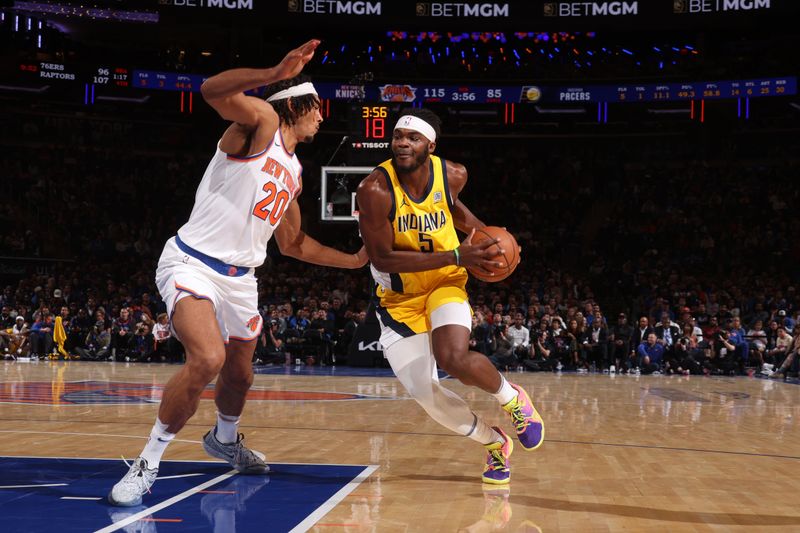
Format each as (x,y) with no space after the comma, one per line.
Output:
(509,258)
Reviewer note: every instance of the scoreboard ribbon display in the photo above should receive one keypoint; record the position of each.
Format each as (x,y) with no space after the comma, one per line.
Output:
(117,76)
(636,92)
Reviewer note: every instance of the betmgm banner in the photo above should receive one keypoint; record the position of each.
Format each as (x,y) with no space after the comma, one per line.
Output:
(477,15)
(482,15)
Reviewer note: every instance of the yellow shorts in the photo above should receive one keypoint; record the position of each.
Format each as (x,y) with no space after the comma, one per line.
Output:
(410,314)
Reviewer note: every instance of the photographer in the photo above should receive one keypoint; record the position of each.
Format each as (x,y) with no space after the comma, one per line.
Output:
(97,343)
(688,355)
(545,357)
(141,344)
(274,350)
(502,350)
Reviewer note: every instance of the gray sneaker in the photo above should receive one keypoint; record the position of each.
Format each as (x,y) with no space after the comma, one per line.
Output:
(137,482)
(243,459)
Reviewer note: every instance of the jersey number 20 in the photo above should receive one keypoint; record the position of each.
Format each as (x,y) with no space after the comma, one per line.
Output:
(273,204)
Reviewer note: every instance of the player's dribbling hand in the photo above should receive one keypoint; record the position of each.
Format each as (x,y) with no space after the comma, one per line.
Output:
(291,65)
(479,255)
(361,257)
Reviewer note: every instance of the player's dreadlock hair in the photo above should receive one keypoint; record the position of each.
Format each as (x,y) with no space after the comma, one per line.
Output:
(300,104)
(428,116)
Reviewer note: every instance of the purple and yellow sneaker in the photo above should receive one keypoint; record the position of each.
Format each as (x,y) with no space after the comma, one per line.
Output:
(498,467)
(528,422)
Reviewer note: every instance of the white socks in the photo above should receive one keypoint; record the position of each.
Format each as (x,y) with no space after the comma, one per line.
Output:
(227,430)
(156,444)
(506,393)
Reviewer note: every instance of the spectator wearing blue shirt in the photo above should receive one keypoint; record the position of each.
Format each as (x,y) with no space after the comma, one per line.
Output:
(650,355)
(786,321)
(737,337)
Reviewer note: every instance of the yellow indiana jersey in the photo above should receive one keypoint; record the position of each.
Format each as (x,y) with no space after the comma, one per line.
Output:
(421,224)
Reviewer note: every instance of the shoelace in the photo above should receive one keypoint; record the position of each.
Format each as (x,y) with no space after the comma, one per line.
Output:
(519,418)
(498,461)
(140,473)
(240,452)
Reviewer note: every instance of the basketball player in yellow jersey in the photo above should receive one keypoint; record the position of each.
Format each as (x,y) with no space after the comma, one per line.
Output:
(408,215)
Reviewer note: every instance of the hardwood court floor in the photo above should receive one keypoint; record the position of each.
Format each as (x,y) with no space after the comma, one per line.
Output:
(648,453)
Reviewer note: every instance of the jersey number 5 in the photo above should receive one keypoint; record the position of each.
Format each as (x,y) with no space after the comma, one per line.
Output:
(273,204)
(425,242)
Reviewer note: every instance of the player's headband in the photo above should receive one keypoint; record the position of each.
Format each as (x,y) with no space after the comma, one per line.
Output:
(409,122)
(295,90)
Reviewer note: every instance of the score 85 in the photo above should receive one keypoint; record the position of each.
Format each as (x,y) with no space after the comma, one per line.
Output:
(374,121)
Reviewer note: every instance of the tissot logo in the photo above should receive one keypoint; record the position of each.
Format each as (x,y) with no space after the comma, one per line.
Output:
(335,7)
(461,9)
(222,4)
(713,6)
(591,9)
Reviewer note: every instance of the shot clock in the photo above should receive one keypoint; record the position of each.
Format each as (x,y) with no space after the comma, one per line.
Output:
(373,126)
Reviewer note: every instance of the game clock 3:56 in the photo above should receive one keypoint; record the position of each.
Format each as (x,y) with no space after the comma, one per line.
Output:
(370,122)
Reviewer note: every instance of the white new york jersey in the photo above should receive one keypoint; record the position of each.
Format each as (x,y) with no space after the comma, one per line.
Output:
(239,203)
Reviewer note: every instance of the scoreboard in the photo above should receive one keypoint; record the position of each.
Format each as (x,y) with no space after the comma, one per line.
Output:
(124,76)
(509,94)
(104,75)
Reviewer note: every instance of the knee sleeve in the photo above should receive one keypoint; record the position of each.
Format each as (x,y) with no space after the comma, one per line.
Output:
(413,364)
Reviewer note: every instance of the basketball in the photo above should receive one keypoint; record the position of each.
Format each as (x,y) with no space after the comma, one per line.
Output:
(510,258)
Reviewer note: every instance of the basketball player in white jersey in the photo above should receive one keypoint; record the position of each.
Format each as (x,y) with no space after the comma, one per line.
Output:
(205,274)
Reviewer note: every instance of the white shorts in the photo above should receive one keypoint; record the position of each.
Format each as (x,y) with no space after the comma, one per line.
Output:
(235,299)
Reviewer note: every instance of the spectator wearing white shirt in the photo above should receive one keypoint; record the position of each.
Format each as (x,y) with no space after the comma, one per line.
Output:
(520,337)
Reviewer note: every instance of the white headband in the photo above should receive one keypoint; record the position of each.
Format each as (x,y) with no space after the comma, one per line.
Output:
(409,122)
(295,90)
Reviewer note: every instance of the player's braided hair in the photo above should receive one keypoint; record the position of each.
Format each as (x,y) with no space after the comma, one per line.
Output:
(300,104)
(428,116)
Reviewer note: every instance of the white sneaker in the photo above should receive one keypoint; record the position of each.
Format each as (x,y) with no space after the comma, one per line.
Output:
(137,482)
(612,369)
(657,373)
(767,367)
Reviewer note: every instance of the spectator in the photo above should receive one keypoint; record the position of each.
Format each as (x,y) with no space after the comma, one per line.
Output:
(18,340)
(724,360)
(651,354)
(783,341)
(41,336)
(519,337)
(757,338)
(121,333)
(639,336)
(141,344)
(786,321)
(791,361)
(97,345)
(737,337)
(595,344)
(79,327)
(711,329)
(688,354)
(574,339)
(544,354)
(502,356)
(620,339)
(165,348)
(481,335)
(274,351)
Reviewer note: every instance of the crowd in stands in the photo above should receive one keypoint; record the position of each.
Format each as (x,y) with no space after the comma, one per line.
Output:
(699,242)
